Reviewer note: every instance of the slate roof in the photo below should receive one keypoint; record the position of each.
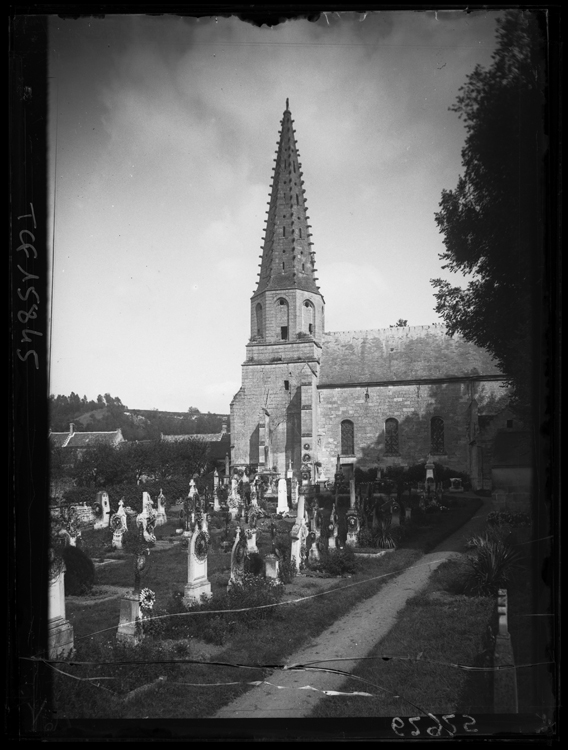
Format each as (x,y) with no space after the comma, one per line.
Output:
(401,354)
(85,439)
(211,437)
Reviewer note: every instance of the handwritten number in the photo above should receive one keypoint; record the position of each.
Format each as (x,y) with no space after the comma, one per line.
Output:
(25,245)
(23,316)
(27,216)
(397,724)
(27,275)
(27,340)
(469,723)
(29,290)
(31,351)
(450,716)
(412,719)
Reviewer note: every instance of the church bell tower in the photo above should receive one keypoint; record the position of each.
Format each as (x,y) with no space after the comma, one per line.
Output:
(274,414)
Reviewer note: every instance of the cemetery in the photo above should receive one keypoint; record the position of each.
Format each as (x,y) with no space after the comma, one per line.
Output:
(243,570)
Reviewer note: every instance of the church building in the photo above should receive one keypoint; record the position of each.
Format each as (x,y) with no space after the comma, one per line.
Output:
(310,398)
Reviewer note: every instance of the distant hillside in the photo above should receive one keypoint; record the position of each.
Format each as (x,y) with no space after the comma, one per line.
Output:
(108,413)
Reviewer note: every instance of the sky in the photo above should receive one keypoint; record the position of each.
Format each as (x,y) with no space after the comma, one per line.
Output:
(162,135)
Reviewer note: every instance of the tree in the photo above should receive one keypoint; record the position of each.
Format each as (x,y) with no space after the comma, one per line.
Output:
(400,323)
(492,221)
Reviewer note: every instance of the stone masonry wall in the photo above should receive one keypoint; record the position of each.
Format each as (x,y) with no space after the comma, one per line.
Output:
(413,406)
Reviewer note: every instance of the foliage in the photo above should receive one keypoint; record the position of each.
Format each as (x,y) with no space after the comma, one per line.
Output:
(507,518)
(337,562)
(108,413)
(287,569)
(400,323)
(79,571)
(104,466)
(492,220)
(383,536)
(492,566)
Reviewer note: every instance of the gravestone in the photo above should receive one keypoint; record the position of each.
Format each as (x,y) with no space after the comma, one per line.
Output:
(271,560)
(333,528)
(102,510)
(352,518)
(197,584)
(282,496)
(161,517)
(408,513)
(395,514)
(130,612)
(238,554)
(119,525)
(60,635)
(315,530)
(147,519)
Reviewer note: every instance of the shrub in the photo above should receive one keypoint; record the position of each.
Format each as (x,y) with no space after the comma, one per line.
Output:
(384,535)
(79,571)
(287,569)
(254,564)
(338,562)
(492,566)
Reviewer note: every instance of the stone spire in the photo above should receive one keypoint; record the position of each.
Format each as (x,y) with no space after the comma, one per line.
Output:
(288,261)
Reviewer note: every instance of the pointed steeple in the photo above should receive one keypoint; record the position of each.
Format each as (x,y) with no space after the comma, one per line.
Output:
(288,261)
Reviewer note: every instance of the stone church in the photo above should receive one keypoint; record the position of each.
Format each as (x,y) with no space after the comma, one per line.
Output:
(310,398)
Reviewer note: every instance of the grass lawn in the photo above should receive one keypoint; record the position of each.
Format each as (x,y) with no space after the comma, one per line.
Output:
(182,658)
(437,630)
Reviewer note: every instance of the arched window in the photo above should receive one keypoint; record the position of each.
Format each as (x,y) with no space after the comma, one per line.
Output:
(282,323)
(391,437)
(437,435)
(259,321)
(347,438)
(308,317)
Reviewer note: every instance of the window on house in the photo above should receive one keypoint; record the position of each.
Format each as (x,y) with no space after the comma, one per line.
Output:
(509,424)
(437,435)
(283,231)
(284,333)
(297,200)
(300,231)
(391,437)
(286,385)
(347,437)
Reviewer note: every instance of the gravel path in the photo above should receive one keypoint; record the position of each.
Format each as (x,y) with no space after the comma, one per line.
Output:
(293,694)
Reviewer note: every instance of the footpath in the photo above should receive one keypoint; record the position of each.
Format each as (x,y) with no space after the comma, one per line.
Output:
(294,693)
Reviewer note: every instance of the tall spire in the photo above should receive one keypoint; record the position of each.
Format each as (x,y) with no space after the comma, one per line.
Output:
(288,260)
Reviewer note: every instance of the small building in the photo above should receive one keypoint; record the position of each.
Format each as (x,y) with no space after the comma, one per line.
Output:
(218,445)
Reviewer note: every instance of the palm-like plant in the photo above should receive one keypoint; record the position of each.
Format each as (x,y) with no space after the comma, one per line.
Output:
(493,565)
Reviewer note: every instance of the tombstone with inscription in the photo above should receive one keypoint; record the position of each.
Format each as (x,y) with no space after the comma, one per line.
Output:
(60,635)
(197,585)
(119,525)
